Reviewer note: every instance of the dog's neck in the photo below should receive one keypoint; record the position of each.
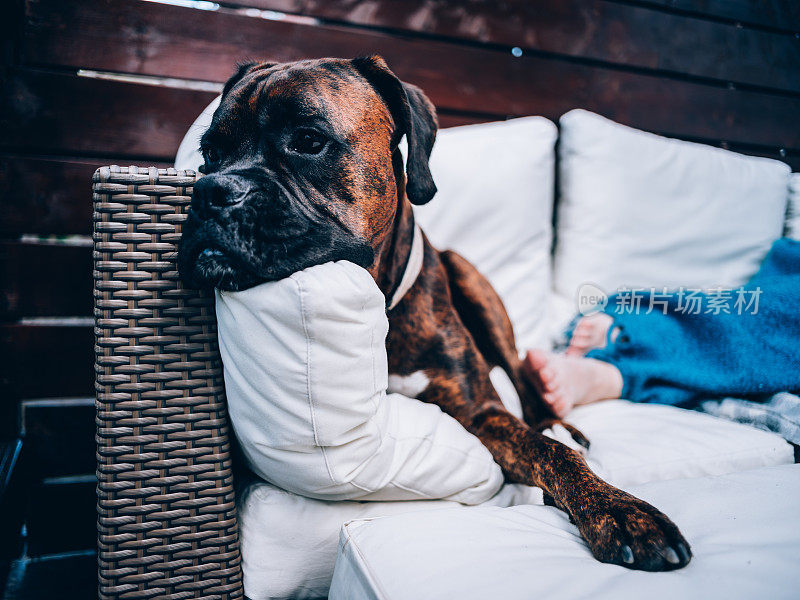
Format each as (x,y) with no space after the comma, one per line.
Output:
(395,250)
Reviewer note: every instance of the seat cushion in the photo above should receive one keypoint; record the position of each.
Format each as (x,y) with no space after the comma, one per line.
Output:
(634,443)
(742,528)
(289,542)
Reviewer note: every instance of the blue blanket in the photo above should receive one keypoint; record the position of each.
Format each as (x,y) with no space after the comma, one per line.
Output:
(685,346)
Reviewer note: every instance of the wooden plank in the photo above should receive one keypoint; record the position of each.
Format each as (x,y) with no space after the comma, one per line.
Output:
(52,576)
(790,158)
(777,14)
(623,34)
(45,196)
(48,195)
(52,113)
(62,516)
(48,360)
(59,436)
(457,77)
(143,124)
(45,279)
(12,498)
(455,119)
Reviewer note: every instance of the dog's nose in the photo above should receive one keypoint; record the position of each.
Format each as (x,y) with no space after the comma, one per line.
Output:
(217,192)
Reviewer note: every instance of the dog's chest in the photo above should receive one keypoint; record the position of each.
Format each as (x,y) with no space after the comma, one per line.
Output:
(409,385)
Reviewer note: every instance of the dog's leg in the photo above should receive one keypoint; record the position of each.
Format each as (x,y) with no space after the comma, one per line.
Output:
(618,527)
(427,335)
(485,317)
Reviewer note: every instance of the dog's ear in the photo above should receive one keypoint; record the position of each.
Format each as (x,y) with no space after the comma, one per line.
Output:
(414,116)
(243,69)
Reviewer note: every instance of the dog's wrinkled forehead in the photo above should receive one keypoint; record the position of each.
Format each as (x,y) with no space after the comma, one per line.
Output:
(324,91)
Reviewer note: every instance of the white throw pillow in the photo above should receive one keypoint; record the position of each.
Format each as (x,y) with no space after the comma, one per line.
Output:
(792,228)
(640,210)
(743,529)
(305,376)
(494,206)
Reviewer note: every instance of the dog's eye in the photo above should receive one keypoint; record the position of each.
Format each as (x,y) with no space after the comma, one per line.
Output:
(307,141)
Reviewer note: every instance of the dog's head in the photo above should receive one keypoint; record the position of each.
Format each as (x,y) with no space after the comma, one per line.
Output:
(301,168)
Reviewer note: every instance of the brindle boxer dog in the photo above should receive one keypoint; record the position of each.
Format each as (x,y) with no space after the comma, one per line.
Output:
(301,168)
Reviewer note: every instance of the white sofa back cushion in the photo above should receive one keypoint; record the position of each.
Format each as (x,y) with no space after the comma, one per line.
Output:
(495,208)
(641,210)
(306,375)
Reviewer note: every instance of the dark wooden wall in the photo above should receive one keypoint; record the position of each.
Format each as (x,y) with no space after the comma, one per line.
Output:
(725,72)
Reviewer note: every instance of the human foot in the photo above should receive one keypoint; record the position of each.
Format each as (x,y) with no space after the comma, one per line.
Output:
(566,381)
(591,332)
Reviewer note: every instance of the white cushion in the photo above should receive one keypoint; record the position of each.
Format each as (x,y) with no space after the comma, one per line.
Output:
(792,228)
(494,206)
(635,443)
(743,529)
(289,542)
(306,374)
(188,156)
(641,210)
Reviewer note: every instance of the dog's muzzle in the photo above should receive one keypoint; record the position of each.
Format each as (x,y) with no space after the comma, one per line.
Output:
(217,192)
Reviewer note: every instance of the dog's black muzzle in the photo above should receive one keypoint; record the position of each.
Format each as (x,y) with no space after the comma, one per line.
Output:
(243,230)
(217,192)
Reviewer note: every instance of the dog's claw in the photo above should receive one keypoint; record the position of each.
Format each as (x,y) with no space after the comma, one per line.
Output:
(576,435)
(623,530)
(685,555)
(627,555)
(671,556)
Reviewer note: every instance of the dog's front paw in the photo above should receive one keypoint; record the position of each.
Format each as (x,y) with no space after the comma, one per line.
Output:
(626,531)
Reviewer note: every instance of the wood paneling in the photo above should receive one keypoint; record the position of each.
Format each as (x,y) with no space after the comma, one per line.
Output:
(62,516)
(52,113)
(48,360)
(778,14)
(57,113)
(47,195)
(73,576)
(622,34)
(45,279)
(96,116)
(59,436)
(12,482)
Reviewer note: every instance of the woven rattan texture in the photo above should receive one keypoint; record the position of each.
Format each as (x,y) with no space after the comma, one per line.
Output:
(167,519)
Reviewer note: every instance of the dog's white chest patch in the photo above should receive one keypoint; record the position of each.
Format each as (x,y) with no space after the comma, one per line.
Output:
(408,385)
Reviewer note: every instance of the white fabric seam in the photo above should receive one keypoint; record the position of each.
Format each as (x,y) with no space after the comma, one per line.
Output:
(376,585)
(303,314)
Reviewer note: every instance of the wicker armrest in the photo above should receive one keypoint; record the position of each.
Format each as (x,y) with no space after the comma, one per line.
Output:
(167,518)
